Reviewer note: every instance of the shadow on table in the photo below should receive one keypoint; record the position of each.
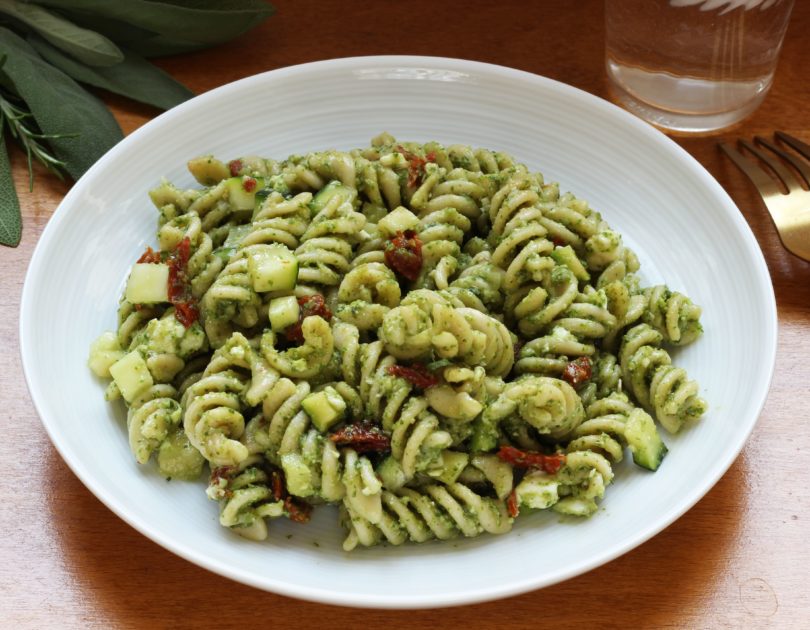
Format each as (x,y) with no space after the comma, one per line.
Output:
(128,581)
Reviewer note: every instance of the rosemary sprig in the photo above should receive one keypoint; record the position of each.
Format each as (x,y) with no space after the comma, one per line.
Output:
(22,127)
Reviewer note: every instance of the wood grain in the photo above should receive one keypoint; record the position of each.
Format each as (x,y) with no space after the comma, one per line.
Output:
(738,559)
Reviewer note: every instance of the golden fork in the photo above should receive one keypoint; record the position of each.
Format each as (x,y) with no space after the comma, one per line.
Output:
(789,210)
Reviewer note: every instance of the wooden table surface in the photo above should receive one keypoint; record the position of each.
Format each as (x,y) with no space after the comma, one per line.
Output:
(739,558)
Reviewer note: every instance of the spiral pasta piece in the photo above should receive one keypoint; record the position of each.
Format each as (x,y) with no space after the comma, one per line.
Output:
(304,361)
(432,511)
(460,333)
(366,294)
(231,303)
(279,220)
(549,405)
(673,315)
(245,498)
(152,416)
(325,252)
(573,490)
(548,355)
(213,420)
(660,387)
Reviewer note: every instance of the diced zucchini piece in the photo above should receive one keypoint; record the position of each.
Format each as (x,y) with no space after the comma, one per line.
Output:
(453,463)
(178,459)
(642,437)
(283,312)
(398,220)
(148,283)
(568,257)
(131,375)
(297,474)
(242,191)
(325,408)
(326,193)
(273,268)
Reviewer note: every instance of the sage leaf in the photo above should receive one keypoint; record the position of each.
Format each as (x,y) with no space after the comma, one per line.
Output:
(85,45)
(134,77)
(59,106)
(10,219)
(204,22)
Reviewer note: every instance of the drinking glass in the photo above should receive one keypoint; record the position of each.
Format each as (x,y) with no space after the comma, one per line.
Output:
(693,66)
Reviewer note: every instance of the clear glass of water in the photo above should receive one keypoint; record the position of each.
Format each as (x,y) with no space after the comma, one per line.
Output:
(693,66)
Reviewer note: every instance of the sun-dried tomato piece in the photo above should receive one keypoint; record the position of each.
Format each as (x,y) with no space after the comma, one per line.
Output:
(363,438)
(531,459)
(225,473)
(277,485)
(417,374)
(308,305)
(186,313)
(416,165)
(297,510)
(150,256)
(403,254)
(185,306)
(235,167)
(249,184)
(578,371)
(512,506)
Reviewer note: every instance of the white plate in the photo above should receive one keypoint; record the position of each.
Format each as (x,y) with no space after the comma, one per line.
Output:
(683,226)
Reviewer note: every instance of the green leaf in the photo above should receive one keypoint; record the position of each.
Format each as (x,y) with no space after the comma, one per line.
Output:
(134,78)
(87,46)
(205,22)
(10,219)
(59,106)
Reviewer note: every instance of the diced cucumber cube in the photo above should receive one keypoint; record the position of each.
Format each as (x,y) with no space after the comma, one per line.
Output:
(283,312)
(242,191)
(325,408)
(178,459)
(643,440)
(131,375)
(148,283)
(398,220)
(297,474)
(273,268)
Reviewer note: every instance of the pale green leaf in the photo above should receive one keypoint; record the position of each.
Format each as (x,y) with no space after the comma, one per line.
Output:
(205,22)
(59,106)
(10,219)
(134,77)
(85,45)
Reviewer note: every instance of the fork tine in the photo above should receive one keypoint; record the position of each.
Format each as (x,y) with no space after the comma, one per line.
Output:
(764,184)
(800,165)
(801,147)
(788,178)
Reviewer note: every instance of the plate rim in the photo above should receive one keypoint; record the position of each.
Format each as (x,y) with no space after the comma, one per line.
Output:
(398,601)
